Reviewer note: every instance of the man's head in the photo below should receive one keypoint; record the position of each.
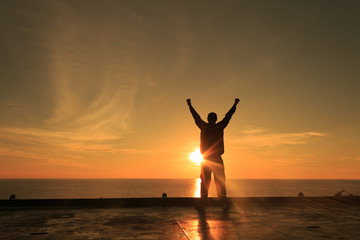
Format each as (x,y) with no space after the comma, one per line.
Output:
(212,117)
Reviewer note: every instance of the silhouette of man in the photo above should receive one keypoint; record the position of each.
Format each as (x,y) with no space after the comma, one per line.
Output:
(212,147)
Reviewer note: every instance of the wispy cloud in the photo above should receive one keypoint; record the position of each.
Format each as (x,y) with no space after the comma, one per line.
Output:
(90,86)
(260,137)
(62,146)
(253,130)
(83,95)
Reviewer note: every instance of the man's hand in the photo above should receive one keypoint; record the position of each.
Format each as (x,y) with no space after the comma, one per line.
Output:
(188,101)
(237,101)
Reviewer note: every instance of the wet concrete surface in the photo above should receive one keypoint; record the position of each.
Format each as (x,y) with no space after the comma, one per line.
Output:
(244,221)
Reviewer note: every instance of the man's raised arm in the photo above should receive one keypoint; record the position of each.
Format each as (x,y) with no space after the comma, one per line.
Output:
(199,122)
(232,109)
(228,115)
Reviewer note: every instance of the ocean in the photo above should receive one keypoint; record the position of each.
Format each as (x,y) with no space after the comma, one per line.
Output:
(142,188)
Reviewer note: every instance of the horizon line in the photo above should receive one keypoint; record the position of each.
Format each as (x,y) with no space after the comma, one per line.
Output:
(34,178)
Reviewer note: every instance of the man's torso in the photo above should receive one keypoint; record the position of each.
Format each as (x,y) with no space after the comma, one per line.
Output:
(212,140)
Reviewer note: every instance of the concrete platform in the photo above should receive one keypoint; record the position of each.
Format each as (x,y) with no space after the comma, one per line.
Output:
(249,218)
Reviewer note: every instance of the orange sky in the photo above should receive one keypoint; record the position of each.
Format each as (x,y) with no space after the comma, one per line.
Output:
(97,89)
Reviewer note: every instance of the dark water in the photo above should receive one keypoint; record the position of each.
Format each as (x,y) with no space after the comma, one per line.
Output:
(120,188)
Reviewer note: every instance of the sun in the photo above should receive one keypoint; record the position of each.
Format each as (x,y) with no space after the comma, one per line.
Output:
(196,157)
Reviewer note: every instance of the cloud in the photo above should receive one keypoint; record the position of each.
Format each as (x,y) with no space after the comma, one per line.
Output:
(84,93)
(57,145)
(260,137)
(89,94)
(249,130)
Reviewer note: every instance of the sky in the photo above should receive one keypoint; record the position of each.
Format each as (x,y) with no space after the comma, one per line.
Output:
(98,89)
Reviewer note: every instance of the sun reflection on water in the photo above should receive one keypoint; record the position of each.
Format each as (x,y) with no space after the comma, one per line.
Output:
(197,188)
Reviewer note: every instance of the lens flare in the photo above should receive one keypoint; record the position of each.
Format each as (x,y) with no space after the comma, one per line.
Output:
(196,157)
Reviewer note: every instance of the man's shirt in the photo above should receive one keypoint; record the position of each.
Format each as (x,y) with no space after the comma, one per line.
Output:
(212,135)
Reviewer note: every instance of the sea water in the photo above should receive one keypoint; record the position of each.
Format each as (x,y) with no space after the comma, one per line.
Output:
(139,188)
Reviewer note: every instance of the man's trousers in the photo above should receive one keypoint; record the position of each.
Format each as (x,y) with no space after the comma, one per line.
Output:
(215,165)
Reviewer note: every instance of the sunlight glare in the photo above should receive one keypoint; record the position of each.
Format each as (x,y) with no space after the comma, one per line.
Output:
(197,190)
(196,157)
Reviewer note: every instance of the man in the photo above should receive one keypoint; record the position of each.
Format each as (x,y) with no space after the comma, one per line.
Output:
(212,147)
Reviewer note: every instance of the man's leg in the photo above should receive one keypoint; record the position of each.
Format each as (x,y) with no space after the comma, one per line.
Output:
(205,179)
(219,176)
